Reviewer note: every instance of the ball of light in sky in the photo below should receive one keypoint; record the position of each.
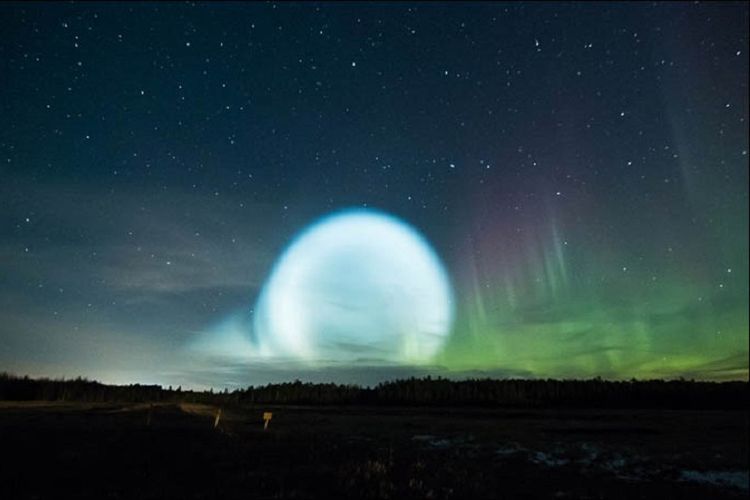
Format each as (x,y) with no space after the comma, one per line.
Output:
(356,286)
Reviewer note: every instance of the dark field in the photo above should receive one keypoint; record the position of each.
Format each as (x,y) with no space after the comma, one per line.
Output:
(77,450)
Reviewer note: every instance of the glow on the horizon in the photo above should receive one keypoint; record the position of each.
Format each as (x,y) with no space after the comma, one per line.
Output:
(356,285)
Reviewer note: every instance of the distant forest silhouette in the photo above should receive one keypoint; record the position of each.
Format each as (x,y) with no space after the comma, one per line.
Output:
(510,393)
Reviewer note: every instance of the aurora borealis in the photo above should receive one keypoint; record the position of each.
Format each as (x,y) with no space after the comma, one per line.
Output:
(581,170)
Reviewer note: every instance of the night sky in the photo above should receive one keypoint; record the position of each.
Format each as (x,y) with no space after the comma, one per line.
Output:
(580,170)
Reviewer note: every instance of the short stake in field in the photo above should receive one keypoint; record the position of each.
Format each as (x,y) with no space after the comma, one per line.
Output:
(267,415)
(218,417)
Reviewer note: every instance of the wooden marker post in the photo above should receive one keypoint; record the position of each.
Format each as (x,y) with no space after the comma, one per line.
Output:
(267,415)
(218,417)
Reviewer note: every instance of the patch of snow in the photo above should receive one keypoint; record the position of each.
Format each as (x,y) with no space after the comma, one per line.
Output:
(726,479)
(548,459)
(591,453)
(435,441)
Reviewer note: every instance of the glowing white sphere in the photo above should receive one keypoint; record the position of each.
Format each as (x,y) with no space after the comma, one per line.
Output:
(359,285)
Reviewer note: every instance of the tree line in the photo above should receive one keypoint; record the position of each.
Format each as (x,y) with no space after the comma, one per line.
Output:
(428,391)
